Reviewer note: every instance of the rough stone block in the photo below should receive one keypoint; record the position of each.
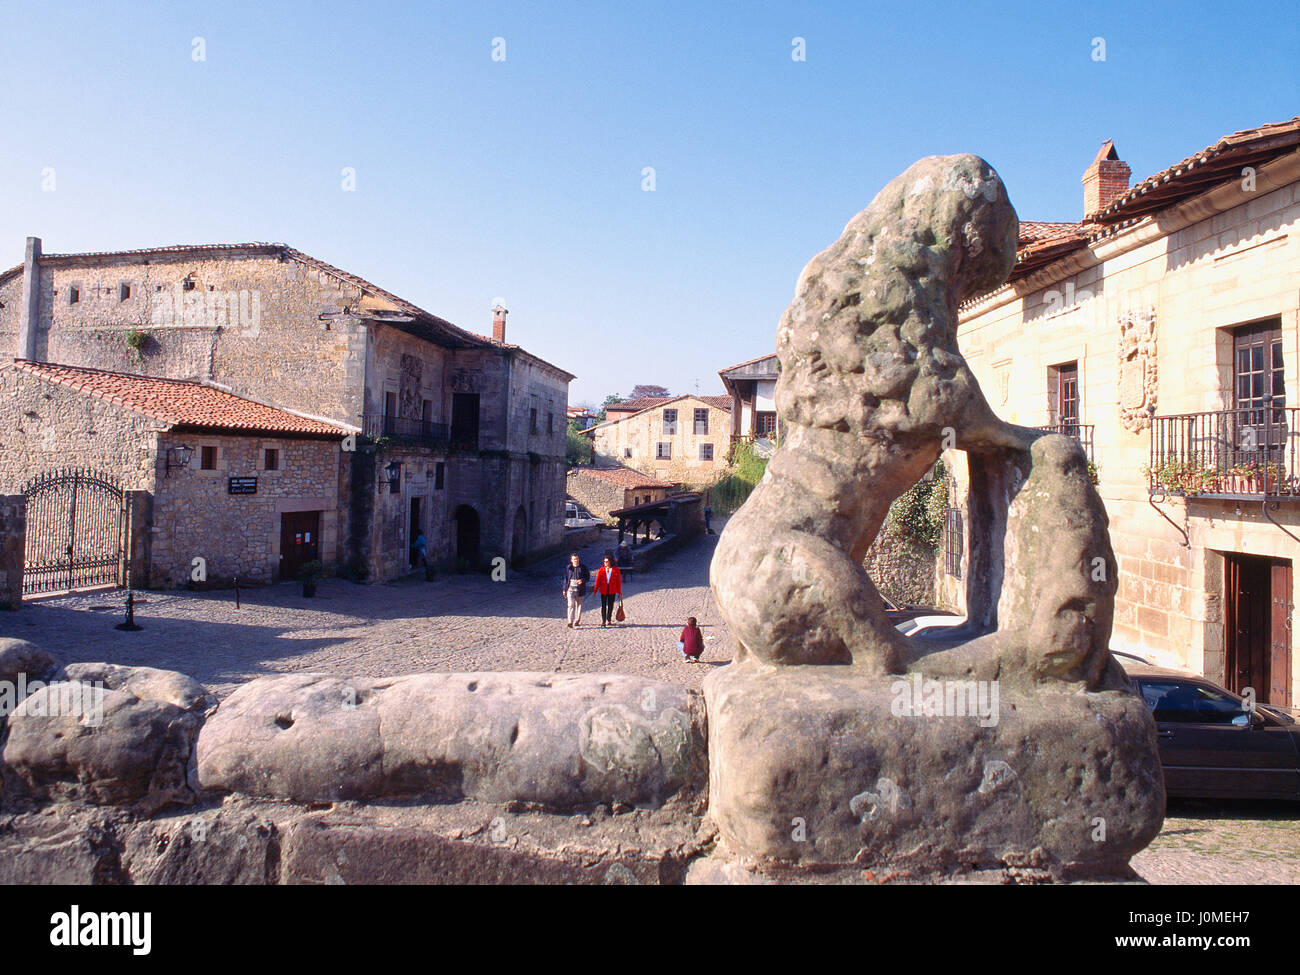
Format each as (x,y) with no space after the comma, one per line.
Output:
(76,741)
(559,741)
(813,767)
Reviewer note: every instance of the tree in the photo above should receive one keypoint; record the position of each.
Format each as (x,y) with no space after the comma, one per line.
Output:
(577,447)
(610,400)
(642,392)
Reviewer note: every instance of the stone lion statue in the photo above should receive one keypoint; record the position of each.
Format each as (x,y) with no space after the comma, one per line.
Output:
(872,388)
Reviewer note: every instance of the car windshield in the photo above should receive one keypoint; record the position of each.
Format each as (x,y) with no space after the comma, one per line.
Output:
(1187,702)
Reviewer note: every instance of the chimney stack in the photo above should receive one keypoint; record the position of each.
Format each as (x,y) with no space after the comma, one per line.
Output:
(499,313)
(1105,181)
(30,313)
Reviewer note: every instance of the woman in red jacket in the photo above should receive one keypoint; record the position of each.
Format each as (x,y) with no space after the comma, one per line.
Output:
(609,583)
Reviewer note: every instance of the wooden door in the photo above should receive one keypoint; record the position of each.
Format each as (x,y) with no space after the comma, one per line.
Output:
(1247,624)
(299,541)
(1279,668)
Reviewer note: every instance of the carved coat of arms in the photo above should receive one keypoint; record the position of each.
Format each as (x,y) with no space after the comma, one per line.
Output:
(1137,369)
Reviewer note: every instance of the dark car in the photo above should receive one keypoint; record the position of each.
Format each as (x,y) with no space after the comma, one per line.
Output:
(1212,745)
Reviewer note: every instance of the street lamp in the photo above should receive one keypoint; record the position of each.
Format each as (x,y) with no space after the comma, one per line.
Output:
(393,470)
(177,457)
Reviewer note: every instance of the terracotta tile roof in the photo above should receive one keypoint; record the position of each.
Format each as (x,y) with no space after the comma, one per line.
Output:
(652,402)
(747,362)
(637,405)
(1041,243)
(1214,164)
(177,402)
(623,477)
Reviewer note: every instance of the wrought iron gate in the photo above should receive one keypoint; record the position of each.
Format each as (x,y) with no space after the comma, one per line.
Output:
(76,531)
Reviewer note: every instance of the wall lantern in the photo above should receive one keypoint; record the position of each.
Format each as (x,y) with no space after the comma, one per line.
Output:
(177,457)
(393,470)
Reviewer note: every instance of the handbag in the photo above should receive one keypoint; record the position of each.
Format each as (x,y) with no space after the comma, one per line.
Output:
(620,615)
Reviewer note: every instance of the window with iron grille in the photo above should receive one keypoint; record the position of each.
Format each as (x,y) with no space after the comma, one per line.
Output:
(272,460)
(953,540)
(701,423)
(670,423)
(208,458)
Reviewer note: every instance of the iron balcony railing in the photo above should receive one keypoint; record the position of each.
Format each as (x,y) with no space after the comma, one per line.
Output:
(1248,453)
(377,425)
(1081,432)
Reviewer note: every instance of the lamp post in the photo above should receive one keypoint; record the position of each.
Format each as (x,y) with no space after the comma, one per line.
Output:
(393,473)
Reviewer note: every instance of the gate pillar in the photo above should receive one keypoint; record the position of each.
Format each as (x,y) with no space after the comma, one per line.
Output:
(13,545)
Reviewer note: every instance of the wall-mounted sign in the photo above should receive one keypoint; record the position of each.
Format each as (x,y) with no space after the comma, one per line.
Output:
(241,485)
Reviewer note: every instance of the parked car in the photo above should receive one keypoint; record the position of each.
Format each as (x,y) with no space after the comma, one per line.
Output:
(1212,745)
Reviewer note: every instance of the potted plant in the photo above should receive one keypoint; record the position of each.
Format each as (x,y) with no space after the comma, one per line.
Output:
(136,340)
(309,574)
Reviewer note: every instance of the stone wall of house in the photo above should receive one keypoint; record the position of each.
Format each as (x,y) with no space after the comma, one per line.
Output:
(902,569)
(1148,316)
(45,427)
(252,322)
(195,516)
(13,539)
(634,442)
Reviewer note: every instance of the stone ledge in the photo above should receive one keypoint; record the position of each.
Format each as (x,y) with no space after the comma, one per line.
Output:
(810,770)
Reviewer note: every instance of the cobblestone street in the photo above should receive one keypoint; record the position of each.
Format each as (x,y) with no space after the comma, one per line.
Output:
(461,623)
(454,623)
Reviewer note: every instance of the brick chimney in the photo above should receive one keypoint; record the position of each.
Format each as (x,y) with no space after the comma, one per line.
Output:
(30,313)
(499,313)
(1105,180)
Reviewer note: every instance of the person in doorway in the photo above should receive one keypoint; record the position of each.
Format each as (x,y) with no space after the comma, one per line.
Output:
(691,641)
(609,585)
(576,577)
(419,550)
(708,515)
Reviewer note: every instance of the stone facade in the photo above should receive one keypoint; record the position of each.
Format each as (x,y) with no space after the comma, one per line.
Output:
(902,569)
(603,491)
(674,452)
(1148,314)
(191,513)
(343,350)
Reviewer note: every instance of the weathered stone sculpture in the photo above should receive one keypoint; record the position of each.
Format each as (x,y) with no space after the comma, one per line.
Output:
(822,764)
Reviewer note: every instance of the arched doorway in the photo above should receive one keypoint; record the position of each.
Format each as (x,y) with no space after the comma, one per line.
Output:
(519,538)
(467,535)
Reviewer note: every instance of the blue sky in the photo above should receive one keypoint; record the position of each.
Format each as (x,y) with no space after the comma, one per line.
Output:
(522,177)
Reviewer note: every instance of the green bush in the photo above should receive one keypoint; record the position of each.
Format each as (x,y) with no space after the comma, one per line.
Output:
(917,515)
(743,474)
(577,448)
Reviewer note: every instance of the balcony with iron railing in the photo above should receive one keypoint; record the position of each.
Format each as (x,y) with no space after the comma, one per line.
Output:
(402,429)
(1082,432)
(1231,454)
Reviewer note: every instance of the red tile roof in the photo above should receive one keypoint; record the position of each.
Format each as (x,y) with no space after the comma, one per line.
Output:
(637,405)
(623,477)
(177,402)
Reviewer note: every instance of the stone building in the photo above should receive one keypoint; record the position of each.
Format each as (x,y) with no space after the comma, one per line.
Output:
(456,435)
(752,388)
(1162,332)
(604,489)
(248,490)
(677,438)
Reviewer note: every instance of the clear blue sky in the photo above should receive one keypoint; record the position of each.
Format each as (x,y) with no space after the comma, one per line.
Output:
(522,178)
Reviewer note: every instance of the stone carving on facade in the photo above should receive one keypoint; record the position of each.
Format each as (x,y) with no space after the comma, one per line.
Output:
(1137,369)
